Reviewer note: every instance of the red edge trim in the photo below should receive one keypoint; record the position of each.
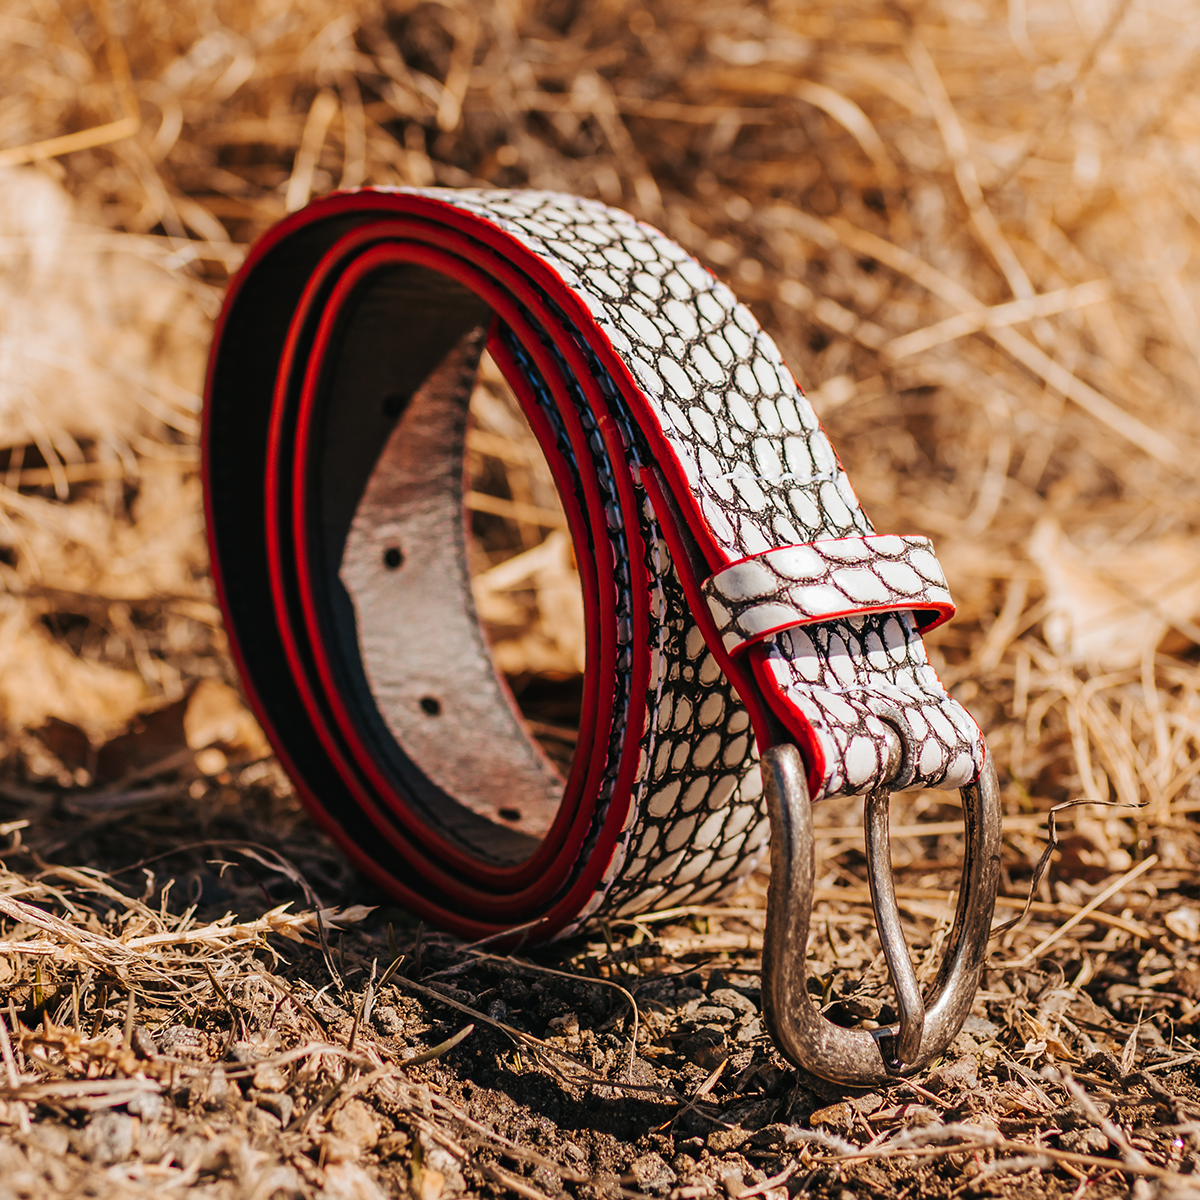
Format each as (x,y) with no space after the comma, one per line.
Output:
(943,613)
(567,908)
(537,873)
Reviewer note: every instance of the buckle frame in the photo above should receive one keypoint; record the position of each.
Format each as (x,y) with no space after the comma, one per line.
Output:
(863,1057)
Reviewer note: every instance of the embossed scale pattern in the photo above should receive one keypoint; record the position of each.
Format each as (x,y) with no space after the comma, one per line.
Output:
(696,826)
(821,668)
(764,476)
(799,585)
(760,466)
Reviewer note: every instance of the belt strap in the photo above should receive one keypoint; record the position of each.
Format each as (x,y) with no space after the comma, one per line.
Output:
(735,593)
(825,581)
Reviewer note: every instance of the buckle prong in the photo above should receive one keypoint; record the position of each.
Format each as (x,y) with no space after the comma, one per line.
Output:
(862,1057)
(909,1004)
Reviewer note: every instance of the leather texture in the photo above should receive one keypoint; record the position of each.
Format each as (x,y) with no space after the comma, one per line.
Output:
(737,594)
(825,581)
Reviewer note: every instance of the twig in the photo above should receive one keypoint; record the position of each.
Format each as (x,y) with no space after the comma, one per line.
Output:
(524,965)
(1083,913)
(437,1051)
(540,1047)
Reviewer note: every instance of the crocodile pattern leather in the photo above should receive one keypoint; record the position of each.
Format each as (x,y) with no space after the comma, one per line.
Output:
(701,399)
(697,825)
(798,585)
(761,469)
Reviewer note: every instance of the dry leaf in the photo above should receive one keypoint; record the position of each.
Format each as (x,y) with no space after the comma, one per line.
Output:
(1108,605)
(216,716)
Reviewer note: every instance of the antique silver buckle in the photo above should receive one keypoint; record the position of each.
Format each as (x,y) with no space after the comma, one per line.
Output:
(862,1057)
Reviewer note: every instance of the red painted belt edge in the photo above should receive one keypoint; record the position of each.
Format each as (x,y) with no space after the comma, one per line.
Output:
(437,213)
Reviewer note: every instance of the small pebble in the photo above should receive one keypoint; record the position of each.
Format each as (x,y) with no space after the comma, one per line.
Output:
(108,1138)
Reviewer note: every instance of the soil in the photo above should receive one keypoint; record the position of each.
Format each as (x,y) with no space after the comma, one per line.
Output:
(384,1058)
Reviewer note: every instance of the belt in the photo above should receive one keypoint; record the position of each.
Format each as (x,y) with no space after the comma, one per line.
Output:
(752,644)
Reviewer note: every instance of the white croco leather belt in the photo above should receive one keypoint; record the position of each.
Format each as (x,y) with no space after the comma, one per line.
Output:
(752,644)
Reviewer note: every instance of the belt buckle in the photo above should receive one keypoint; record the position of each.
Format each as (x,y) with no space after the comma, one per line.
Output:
(860,1057)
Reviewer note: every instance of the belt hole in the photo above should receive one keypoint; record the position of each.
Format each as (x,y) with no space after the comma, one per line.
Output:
(432,705)
(394,404)
(509,814)
(393,556)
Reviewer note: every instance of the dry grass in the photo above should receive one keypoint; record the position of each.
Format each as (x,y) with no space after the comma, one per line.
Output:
(972,227)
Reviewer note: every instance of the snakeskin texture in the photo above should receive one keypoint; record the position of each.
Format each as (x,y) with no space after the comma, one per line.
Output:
(799,585)
(697,826)
(761,469)
(682,401)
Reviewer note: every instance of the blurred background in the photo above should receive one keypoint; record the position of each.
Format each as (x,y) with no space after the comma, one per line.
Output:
(970,225)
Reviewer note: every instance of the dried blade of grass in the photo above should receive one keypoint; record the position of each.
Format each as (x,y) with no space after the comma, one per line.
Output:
(692,114)
(1088,723)
(1030,356)
(1117,1136)
(770,1184)
(1032,825)
(71,143)
(856,122)
(83,942)
(362,1014)
(510,1181)
(1004,631)
(300,1122)
(595,92)
(699,910)
(354,163)
(832,314)
(227,932)
(1014,312)
(10,1063)
(322,111)
(797,1136)
(46,949)
(118,61)
(912,896)
(1072,91)
(104,1093)
(1125,765)
(435,1052)
(458,73)
(217,987)
(982,219)
(527,513)
(1120,882)
(689,1104)
(307,1050)
(1184,1182)
(711,943)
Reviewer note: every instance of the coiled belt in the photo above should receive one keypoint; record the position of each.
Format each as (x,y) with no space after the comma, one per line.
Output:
(737,599)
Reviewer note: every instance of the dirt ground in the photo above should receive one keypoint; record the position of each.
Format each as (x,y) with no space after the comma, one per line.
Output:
(972,227)
(168,1046)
